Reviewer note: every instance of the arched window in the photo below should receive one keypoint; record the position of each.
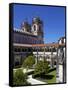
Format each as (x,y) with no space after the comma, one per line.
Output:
(62,41)
(19,50)
(34,28)
(15,49)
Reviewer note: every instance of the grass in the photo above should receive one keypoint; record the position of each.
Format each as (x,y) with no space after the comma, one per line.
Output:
(49,78)
(53,79)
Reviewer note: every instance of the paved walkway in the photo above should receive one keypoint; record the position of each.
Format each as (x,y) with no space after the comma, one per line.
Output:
(30,79)
(24,70)
(34,81)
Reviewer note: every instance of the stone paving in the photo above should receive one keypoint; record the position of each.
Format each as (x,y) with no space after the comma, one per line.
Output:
(30,79)
(34,81)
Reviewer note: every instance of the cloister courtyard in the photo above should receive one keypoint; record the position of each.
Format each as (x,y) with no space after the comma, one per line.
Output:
(40,66)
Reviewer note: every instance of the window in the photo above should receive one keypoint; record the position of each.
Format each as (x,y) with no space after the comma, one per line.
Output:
(62,41)
(34,28)
(19,50)
(15,49)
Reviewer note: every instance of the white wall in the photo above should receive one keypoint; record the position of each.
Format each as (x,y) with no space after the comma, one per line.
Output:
(47,53)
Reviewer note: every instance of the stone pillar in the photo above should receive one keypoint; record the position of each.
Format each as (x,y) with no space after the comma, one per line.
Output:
(57,67)
(21,56)
(64,66)
(37,54)
(52,62)
(44,54)
(61,70)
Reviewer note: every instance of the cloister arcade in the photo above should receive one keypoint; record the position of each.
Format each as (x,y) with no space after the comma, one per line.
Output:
(56,58)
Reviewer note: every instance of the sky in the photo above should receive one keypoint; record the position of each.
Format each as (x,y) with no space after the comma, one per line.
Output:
(53,19)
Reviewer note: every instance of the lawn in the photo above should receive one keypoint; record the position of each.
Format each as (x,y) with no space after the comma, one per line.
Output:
(49,78)
(53,77)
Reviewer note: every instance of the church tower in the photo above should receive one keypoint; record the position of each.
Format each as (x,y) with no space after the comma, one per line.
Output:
(26,27)
(37,27)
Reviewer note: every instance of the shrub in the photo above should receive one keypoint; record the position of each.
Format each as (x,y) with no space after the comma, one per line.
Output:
(51,69)
(29,61)
(19,78)
(41,68)
(35,75)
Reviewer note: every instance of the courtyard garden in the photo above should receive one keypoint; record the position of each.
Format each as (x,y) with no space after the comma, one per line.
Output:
(29,72)
(50,77)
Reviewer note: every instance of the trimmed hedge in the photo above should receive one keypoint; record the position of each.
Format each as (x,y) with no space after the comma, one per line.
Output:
(35,75)
(50,70)
(30,73)
(29,62)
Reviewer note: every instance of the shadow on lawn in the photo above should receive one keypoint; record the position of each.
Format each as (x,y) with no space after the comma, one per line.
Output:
(47,76)
(51,70)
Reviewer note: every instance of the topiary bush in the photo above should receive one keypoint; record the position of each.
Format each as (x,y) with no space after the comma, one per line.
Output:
(19,78)
(29,62)
(35,75)
(41,68)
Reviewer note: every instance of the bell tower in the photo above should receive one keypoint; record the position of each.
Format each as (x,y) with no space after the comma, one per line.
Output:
(26,27)
(37,27)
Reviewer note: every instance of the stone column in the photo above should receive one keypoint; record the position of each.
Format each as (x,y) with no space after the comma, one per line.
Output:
(44,54)
(61,70)
(21,56)
(57,67)
(52,63)
(64,65)
(37,54)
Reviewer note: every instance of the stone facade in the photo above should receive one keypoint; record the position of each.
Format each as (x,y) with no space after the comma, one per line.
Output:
(27,34)
(61,62)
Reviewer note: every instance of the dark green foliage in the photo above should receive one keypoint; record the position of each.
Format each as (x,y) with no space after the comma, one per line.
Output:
(19,78)
(29,61)
(35,75)
(48,77)
(52,69)
(30,73)
(41,68)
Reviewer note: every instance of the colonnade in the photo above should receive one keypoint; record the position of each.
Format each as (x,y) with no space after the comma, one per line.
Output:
(60,67)
(59,58)
(44,56)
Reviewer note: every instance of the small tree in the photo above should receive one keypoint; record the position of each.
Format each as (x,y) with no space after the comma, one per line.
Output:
(41,67)
(29,61)
(19,78)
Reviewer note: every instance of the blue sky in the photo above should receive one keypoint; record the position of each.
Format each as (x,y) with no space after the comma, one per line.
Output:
(53,19)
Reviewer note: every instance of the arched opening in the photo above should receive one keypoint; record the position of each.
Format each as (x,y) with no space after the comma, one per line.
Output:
(34,27)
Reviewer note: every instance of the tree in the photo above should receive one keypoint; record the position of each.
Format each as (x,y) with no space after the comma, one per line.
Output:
(41,67)
(19,78)
(29,61)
